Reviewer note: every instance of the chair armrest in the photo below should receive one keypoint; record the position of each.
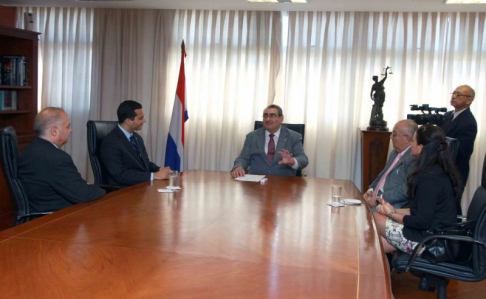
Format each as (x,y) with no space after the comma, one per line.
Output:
(432,237)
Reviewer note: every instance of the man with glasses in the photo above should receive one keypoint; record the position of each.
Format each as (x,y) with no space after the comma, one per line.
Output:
(272,149)
(391,183)
(461,124)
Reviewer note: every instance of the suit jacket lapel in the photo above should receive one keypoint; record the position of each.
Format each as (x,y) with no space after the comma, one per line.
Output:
(457,121)
(144,157)
(128,146)
(282,140)
(261,143)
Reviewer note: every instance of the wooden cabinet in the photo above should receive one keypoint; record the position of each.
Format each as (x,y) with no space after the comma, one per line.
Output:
(18,42)
(374,155)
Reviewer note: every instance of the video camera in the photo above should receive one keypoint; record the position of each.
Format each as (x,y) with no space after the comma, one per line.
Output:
(429,118)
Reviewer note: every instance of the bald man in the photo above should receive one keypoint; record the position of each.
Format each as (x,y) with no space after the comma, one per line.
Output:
(461,124)
(48,174)
(391,183)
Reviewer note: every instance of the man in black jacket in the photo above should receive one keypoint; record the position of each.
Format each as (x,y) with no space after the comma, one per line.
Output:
(48,174)
(461,124)
(123,152)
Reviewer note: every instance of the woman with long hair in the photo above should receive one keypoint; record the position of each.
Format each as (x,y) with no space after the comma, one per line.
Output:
(433,189)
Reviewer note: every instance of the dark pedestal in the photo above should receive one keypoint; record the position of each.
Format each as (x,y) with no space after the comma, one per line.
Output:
(374,154)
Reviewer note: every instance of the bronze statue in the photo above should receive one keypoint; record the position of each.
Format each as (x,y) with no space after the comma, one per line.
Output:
(377,95)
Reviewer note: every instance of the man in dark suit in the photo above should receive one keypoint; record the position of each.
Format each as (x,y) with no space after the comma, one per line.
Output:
(48,174)
(461,124)
(123,152)
(391,183)
(272,149)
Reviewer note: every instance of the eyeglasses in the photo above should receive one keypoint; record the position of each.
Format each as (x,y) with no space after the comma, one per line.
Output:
(398,135)
(458,94)
(271,115)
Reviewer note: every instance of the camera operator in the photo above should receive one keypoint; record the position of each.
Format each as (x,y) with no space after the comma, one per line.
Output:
(461,124)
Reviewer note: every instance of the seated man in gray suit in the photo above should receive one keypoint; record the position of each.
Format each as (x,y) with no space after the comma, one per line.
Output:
(391,183)
(272,149)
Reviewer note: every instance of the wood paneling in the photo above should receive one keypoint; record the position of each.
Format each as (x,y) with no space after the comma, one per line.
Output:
(8,16)
(216,238)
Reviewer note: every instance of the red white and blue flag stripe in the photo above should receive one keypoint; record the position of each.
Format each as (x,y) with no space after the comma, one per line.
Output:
(174,153)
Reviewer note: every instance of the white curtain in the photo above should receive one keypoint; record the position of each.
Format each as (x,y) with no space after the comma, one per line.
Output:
(64,77)
(232,61)
(330,58)
(231,64)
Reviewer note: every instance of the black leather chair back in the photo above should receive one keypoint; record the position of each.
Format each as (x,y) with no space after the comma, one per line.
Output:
(479,251)
(299,128)
(478,201)
(10,153)
(453,145)
(97,130)
(483,177)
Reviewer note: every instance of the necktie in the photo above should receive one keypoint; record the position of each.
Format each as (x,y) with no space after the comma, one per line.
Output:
(381,182)
(271,148)
(134,144)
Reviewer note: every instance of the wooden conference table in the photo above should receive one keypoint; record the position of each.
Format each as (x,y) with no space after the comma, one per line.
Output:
(217,238)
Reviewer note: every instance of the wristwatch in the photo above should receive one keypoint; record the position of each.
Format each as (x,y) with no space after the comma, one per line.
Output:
(390,215)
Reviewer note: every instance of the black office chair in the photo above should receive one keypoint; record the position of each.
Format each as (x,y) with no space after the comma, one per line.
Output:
(10,152)
(97,130)
(299,128)
(453,145)
(438,274)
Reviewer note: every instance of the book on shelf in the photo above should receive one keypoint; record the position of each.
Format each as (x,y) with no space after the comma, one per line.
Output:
(13,70)
(8,100)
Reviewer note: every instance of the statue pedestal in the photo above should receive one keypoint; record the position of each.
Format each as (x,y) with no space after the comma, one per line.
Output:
(377,125)
(374,153)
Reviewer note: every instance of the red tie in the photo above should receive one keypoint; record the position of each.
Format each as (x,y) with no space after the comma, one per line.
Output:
(271,149)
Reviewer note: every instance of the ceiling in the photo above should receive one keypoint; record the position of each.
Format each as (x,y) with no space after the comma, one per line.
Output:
(319,5)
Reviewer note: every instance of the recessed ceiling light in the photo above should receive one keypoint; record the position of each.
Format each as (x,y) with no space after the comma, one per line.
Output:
(464,1)
(279,1)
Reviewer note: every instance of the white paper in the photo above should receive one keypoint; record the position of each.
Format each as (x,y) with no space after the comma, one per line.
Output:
(165,190)
(250,178)
(351,201)
(335,204)
(173,187)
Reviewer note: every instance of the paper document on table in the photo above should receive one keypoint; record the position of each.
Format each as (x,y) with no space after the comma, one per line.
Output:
(165,190)
(250,178)
(351,202)
(335,204)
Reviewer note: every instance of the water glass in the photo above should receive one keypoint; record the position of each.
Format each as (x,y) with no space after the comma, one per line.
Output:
(174,178)
(336,192)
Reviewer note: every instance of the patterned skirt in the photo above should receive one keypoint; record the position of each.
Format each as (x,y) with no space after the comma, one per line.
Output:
(394,236)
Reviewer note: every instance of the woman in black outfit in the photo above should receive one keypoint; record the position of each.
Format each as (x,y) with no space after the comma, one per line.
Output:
(433,189)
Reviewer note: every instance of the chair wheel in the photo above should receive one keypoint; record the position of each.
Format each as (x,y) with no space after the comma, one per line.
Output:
(424,285)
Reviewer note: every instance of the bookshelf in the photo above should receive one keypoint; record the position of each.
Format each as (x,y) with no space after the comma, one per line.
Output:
(18,42)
